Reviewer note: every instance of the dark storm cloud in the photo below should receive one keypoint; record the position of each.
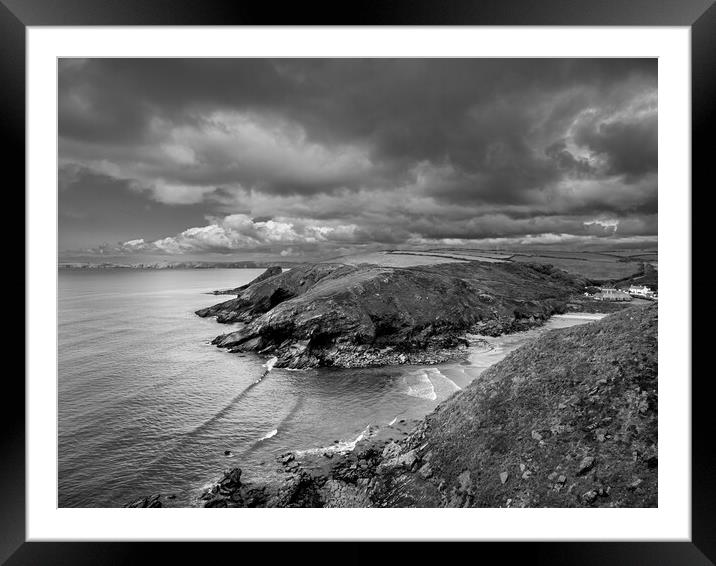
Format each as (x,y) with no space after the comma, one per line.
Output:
(389,147)
(629,147)
(567,162)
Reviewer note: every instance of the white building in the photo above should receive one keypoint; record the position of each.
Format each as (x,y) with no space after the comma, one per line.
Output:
(641,291)
(611,294)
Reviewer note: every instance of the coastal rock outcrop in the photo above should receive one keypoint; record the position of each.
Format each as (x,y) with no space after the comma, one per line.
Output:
(333,314)
(230,491)
(144,502)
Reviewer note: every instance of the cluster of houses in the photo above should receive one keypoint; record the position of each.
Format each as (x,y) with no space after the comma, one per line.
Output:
(643,291)
(613,294)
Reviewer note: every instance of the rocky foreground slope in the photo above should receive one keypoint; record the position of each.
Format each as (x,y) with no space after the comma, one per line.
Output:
(567,421)
(334,314)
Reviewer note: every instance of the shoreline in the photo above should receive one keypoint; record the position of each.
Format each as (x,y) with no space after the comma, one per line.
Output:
(417,470)
(430,356)
(317,460)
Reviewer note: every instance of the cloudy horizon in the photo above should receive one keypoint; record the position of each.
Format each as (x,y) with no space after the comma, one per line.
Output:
(239,158)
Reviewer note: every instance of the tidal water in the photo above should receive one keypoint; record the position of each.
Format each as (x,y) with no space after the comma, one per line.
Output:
(147,405)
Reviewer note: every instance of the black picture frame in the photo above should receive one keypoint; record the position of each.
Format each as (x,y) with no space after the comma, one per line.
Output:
(699,15)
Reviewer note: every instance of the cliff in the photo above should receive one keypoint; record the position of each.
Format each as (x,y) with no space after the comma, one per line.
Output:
(569,420)
(335,314)
(270,272)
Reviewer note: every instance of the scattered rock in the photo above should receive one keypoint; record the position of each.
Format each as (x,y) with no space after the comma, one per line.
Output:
(231,478)
(504,476)
(651,456)
(391,450)
(585,465)
(408,459)
(464,480)
(636,483)
(144,502)
(286,458)
(426,471)
(590,496)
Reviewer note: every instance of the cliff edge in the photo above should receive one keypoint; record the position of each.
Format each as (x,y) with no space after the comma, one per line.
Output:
(335,314)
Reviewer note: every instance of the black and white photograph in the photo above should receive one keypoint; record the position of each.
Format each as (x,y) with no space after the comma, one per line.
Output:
(357,282)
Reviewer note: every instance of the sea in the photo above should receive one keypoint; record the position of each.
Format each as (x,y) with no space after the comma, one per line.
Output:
(146,404)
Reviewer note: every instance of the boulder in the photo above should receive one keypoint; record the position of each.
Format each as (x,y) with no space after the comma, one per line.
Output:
(585,465)
(149,501)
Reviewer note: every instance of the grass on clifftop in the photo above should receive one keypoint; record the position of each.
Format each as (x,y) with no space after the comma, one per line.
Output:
(570,420)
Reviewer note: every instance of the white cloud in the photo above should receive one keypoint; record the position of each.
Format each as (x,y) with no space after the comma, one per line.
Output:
(241,232)
(606,224)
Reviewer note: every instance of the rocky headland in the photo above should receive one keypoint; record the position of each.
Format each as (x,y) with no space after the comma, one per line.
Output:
(569,420)
(270,272)
(345,315)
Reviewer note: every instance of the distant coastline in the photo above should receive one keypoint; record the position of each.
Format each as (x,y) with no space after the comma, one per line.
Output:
(177,265)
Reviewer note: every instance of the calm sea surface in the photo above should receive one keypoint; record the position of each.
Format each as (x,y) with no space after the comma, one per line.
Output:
(147,404)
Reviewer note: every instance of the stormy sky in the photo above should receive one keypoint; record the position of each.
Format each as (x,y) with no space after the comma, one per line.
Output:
(303,157)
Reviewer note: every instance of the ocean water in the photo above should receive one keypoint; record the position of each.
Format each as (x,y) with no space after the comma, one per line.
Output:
(146,404)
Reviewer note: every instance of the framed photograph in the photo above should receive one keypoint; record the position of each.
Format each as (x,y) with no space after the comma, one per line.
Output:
(299,276)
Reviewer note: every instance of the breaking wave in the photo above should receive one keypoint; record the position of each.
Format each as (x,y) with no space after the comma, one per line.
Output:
(449,382)
(269,434)
(341,447)
(419,385)
(269,364)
